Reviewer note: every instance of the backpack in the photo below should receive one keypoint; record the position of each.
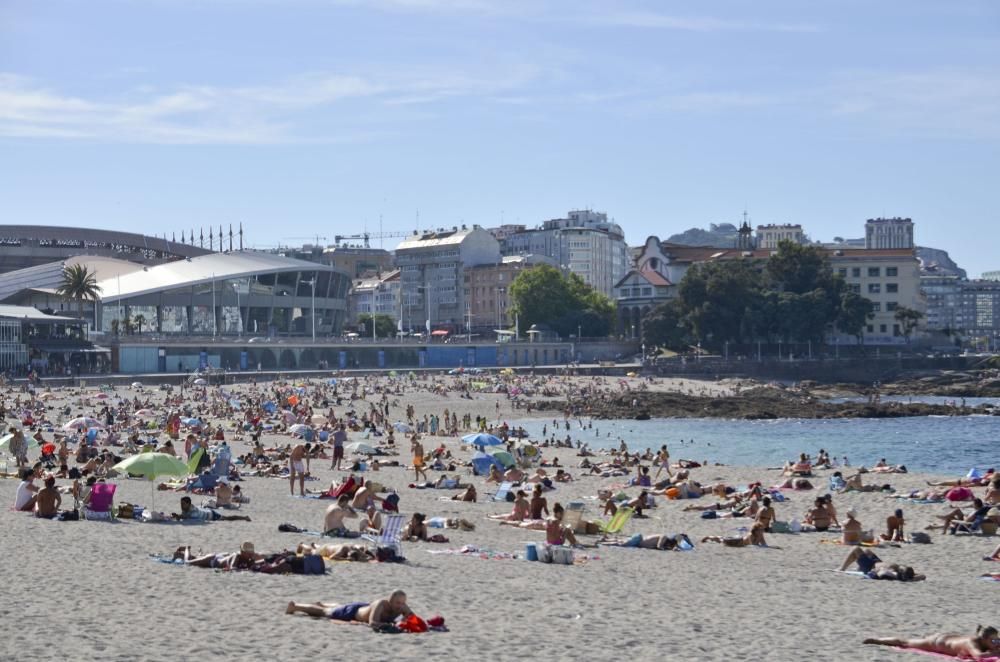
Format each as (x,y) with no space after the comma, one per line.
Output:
(387,555)
(126,511)
(920,537)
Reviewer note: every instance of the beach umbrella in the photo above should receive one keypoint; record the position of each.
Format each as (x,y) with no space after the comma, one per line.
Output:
(318,419)
(402,427)
(504,458)
(482,439)
(46,396)
(136,384)
(83,423)
(151,466)
(200,382)
(145,413)
(269,407)
(300,428)
(331,381)
(191,422)
(481,463)
(101,396)
(5,443)
(361,448)
(288,416)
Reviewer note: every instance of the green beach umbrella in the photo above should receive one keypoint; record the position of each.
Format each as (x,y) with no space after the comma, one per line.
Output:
(151,466)
(503,457)
(5,443)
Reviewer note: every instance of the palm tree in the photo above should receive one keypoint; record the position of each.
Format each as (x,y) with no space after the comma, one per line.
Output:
(139,320)
(79,283)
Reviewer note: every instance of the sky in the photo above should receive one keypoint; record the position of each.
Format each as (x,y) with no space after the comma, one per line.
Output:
(306,119)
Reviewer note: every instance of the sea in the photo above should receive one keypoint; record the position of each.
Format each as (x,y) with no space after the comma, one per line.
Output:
(944,445)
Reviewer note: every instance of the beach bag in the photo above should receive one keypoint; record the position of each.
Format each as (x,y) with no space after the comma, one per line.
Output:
(709,514)
(68,516)
(959,494)
(391,503)
(920,537)
(126,511)
(387,555)
(780,527)
(413,624)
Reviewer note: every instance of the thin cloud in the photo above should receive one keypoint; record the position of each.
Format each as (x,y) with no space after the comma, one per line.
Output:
(266,114)
(653,20)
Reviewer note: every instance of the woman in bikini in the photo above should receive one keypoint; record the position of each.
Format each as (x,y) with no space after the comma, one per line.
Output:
(984,644)
(520,512)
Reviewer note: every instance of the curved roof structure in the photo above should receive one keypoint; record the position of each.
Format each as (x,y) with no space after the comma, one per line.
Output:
(82,239)
(196,271)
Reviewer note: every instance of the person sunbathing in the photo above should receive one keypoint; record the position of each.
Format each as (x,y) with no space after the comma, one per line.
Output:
(333,520)
(851,531)
(983,644)
(520,511)
(873,567)
(336,552)
(818,516)
(965,482)
(556,533)
(894,527)
(995,556)
(416,528)
(190,512)
(495,475)
(538,505)
(245,559)
(469,495)
(978,513)
(664,541)
(795,484)
(765,514)
(753,537)
(380,612)
(48,500)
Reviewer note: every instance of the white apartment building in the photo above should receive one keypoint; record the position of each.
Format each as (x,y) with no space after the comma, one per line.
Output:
(432,267)
(584,243)
(889,233)
(378,295)
(768,236)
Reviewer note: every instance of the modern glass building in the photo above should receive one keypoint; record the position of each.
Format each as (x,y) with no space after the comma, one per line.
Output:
(219,294)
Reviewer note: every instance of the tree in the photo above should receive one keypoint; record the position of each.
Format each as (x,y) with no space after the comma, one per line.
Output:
(799,269)
(384,326)
(139,320)
(115,327)
(79,284)
(716,298)
(664,326)
(854,313)
(908,319)
(543,295)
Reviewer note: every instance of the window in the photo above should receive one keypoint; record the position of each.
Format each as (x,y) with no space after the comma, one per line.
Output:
(892,288)
(895,330)
(856,272)
(855,287)
(647,291)
(881,328)
(842,272)
(891,306)
(892,272)
(876,307)
(871,328)
(874,272)
(874,288)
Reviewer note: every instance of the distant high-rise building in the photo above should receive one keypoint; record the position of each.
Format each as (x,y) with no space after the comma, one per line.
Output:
(991,275)
(889,233)
(584,243)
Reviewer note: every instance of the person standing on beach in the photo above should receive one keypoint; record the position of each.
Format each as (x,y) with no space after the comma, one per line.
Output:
(417,450)
(339,437)
(663,459)
(296,467)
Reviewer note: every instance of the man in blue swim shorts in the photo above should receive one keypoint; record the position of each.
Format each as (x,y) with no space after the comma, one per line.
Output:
(380,612)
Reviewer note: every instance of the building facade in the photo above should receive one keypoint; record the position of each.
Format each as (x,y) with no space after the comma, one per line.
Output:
(432,275)
(378,295)
(890,279)
(636,295)
(979,308)
(584,243)
(991,275)
(889,233)
(768,236)
(942,294)
(487,291)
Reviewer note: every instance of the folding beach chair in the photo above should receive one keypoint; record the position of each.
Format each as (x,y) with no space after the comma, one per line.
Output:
(102,497)
(391,536)
(573,514)
(502,491)
(616,525)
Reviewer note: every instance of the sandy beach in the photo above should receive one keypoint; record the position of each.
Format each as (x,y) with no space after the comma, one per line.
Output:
(89,590)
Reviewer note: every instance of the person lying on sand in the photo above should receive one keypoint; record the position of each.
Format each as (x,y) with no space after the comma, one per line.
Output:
(190,512)
(872,566)
(965,482)
(983,644)
(754,537)
(520,511)
(664,541)
(469,495)
(336,552)
(245,559)
(380,612)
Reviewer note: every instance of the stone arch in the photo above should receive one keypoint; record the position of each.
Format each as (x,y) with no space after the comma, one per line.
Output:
(308,359)
(287,360)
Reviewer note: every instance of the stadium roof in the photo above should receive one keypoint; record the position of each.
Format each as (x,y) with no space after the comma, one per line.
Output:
(199,270)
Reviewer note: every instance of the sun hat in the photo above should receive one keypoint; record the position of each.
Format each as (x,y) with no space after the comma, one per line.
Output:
(247,548)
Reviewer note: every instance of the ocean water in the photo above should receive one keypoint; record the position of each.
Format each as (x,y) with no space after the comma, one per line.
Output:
(937,444)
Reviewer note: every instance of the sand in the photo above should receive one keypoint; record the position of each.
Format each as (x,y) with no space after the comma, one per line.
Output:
(88,590)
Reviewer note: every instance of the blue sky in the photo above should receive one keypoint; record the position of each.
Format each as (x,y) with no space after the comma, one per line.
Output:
(315,117)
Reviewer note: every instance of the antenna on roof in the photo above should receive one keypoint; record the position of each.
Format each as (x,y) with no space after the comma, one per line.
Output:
(211,240)
(241,237)
(230,237)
